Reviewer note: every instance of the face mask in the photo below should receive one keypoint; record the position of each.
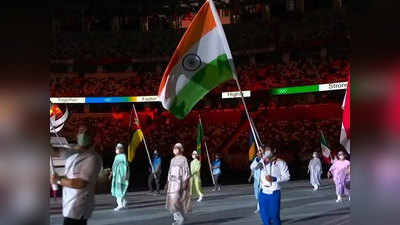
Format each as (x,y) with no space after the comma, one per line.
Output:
(193,156)
(83,140)
(267,154)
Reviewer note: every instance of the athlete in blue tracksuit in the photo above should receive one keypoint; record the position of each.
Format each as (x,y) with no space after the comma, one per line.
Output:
(274,172)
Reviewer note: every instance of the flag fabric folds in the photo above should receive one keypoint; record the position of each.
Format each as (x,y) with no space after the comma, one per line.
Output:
(134,144)
(201,62)
(345,131)
(252,144)
(326,151)
(200,135)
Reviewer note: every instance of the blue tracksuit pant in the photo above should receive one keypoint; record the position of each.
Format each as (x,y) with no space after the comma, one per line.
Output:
(270,207)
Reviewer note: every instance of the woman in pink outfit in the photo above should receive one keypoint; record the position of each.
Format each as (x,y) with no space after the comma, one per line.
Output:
(340,170)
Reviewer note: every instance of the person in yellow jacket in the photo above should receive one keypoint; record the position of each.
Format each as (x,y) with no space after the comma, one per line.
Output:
(195,179)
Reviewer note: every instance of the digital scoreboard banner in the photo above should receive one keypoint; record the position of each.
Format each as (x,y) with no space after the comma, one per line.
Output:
(235,94)
(309,88)
(127,99)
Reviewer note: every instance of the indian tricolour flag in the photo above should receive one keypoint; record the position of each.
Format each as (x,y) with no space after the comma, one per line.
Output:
(201,62)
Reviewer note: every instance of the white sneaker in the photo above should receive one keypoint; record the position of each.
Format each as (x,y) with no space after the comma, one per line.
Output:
(200,198)
(118,208)
(179,219)
(339,199)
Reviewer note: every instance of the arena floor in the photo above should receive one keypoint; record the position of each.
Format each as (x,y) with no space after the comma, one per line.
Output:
(234,205)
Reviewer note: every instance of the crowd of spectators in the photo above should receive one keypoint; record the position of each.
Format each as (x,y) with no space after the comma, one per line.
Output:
(136,85)
(322,28)
(251,77)
(295,140)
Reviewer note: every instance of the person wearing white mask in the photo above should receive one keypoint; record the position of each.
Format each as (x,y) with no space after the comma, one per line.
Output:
(275,171)
(120,177)
(195,179)
(178,200)
(340,170)
(82,168)
(315,171)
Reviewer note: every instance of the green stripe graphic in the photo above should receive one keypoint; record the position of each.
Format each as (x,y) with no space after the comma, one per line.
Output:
(295,90)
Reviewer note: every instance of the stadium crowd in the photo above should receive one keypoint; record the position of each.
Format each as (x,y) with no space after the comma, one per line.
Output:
(294,140)
(251,77)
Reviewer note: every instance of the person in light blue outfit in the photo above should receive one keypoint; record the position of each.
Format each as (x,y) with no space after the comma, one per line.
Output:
(256,167)
(216,165)
(156,170)
(120,177)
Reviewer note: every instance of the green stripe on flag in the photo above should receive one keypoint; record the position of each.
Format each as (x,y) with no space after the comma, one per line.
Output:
(323,140)
(200,135)
(295,90)
(208,78)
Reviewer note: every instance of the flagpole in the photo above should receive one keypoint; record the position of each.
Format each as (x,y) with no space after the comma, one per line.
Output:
(145,144)
(252,126)
(230,58)
(129,131)
(258,136)
(208,156)
(130,120)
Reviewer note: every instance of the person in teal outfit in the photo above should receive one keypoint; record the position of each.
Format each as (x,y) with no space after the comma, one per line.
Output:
(256,167)
(120,177)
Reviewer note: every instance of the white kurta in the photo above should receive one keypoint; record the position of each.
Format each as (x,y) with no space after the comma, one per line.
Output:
(315,169)
(278,169)
(79,203)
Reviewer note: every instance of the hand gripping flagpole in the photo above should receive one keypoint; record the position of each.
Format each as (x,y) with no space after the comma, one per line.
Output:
(145,144)
(208,156)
